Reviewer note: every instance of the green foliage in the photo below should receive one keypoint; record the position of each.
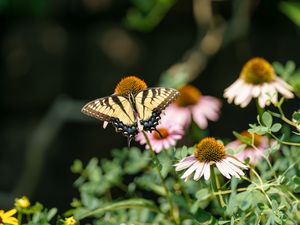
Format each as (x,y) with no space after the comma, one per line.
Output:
(290,73)
(146,15)
(141,187)
(291,10)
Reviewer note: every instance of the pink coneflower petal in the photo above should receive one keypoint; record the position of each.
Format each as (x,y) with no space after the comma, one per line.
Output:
(208,108)
(253,153)
(170,132)
(236,162)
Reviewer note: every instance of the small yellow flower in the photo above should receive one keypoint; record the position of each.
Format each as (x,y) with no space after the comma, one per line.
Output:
(70,221)
(6,217)
(22,202)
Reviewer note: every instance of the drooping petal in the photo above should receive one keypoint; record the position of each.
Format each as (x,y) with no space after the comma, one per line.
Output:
(190,170)
(199,171)
(223,169)
(281,88)
(185,163)
(206,171)
(236,162)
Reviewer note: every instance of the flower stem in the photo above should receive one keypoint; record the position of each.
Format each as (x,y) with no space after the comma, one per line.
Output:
(20,217)
(284,142)
(154,157)
(260,110)
(215,184)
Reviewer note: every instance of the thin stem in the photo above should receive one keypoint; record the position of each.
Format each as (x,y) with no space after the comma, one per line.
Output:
(285,119)
(20,217)
(153,155)
(215,184)
(261,185)
(260,110)
(284,142)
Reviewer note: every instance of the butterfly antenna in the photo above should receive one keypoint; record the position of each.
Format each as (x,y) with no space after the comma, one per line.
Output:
(159,133)
(128,141)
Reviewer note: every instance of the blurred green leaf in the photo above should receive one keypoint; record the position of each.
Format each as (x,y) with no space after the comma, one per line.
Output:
(276,127)
(267,119)
(131,203)
(296,116)
(291,10)
(76,166)
(242,138)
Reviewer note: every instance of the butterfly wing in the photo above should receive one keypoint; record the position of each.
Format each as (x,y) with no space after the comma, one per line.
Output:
(150,103)
(116,110)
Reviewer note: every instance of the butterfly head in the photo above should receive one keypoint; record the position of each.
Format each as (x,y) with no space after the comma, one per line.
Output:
(130,85)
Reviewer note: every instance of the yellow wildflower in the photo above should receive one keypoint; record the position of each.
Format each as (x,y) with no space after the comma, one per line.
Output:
(70,221)
(6,217)
(22,202)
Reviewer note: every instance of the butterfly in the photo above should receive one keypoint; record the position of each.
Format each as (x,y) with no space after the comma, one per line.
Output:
(128,114)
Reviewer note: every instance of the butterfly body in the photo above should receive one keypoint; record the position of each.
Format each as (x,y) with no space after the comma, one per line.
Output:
(126,113)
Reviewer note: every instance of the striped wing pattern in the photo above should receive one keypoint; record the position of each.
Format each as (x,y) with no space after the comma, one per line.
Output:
(110,107)
(150,102)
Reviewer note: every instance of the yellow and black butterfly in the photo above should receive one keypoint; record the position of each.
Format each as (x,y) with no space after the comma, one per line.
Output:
(127,112)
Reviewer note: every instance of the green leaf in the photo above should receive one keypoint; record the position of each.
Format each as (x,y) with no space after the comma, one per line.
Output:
(290,66)
(291,10)
(202,194)
(76,166)
(296,116)
(51,213)
(267,119)
(242,138)
(278,68)
(276,127)
(125,204)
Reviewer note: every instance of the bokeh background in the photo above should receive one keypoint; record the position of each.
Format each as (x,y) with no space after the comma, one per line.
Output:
(58,54)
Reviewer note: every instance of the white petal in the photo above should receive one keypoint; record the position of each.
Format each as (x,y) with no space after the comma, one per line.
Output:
(190,170)
(284,84)
(223,169)
(256,91)
(283,90)
(246,101)
(231,92)
(199,172)
(206,171)
(244,92)
(236,162)
(185,163)
(231,168)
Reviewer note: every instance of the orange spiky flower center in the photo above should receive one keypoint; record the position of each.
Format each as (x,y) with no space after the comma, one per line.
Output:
(189,95)
(256,137)
(209,150)
(130,85)
(257,71)
(161,134)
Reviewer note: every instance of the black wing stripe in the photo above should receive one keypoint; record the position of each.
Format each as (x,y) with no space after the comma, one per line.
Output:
(119,103)
(144,96)
(153,94)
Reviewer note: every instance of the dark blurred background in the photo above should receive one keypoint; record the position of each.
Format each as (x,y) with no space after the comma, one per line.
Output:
(58,54)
